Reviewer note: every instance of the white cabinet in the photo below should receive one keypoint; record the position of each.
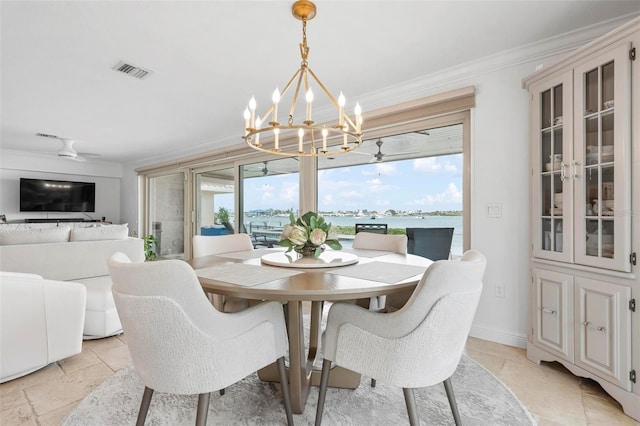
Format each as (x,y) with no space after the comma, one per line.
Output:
(585,225)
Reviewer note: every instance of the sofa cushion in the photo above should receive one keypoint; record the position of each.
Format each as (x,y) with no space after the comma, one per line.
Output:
(99,233)
(70,260)
(34,236)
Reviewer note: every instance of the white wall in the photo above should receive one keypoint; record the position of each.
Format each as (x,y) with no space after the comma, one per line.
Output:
(14,165)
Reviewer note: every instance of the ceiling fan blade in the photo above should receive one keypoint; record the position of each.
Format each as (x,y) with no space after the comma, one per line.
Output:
(404,153)
(88,155)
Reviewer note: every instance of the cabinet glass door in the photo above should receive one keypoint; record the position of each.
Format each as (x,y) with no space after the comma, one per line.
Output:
(601,169)
(552,106)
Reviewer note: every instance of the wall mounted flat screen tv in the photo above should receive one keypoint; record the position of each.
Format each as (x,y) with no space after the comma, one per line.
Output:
(40,195)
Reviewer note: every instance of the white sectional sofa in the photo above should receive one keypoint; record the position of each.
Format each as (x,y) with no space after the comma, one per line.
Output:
(42,322)
(74,254)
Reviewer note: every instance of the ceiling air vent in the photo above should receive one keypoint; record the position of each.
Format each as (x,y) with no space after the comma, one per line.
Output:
(131,70)
(45,135)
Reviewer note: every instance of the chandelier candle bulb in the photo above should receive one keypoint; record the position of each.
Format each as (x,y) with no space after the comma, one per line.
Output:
(300,136)
(276,133)
(247,117)
(345,143)
(258,124)
(275,98)
(358,111)
(325,132)
(341,102)
(252,107)
(309,98)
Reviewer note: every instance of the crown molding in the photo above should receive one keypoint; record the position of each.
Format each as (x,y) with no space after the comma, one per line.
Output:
(465,73)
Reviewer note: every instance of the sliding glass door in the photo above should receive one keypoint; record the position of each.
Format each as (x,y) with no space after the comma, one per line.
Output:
(270,191)
(165,215)
(214,196)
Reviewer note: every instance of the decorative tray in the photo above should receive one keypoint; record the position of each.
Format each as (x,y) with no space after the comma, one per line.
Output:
(327,259)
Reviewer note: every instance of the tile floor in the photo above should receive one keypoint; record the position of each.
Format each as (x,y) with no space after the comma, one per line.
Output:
(552,394)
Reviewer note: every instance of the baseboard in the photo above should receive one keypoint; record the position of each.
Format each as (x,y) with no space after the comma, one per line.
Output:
(499,336)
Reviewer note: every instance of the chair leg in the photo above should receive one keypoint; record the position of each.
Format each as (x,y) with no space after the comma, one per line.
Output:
(284,385)
(203,409)
(412,410)
(452,401)
(322,393)
(144,406)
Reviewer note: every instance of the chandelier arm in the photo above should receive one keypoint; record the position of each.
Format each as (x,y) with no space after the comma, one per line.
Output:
(315,77)
(295,95)
(295,74)
(333,100)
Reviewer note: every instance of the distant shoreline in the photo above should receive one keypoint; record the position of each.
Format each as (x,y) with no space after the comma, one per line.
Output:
(360,215)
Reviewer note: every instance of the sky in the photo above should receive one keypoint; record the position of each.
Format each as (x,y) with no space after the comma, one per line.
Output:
(425,184)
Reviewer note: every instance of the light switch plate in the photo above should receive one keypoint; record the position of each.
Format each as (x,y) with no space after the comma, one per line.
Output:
(494,210)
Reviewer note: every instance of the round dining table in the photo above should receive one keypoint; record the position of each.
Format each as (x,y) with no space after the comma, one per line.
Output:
(272,274)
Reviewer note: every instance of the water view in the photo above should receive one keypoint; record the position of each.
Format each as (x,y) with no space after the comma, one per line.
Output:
(393,222)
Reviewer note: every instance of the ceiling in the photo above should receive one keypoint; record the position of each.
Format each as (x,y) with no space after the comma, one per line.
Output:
(207,58)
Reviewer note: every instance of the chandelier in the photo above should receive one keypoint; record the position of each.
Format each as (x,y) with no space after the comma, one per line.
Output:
(305,137)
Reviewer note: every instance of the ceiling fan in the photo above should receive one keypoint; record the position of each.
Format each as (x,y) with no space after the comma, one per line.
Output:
(67,151)
(378,156)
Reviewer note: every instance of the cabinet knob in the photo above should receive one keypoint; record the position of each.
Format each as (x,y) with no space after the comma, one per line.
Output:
(548,311)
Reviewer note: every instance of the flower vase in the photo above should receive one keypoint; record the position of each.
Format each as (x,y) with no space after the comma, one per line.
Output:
(307,251)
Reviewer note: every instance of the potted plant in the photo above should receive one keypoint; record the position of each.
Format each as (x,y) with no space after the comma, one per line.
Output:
(308,235)
(223,215)
(150,247)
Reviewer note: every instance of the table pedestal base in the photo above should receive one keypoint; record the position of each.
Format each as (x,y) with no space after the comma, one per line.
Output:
(301,372)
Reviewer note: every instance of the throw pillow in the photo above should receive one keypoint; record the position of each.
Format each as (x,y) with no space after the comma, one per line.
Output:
(58,234)
(99,233)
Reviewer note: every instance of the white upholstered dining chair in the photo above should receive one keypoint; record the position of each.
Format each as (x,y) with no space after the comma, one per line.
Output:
(382,242)
(180,344)
(207,245)
(417,346)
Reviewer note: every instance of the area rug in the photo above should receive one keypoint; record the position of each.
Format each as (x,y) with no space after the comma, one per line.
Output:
(482,400)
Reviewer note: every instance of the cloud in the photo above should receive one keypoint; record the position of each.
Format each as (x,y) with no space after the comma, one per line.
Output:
(266,191)
(351,194)
(434,165)
(379,169)
(328,200)
(289,192)
(427,165)
(448,167)
(385,169)
(450,196)
(375,181)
